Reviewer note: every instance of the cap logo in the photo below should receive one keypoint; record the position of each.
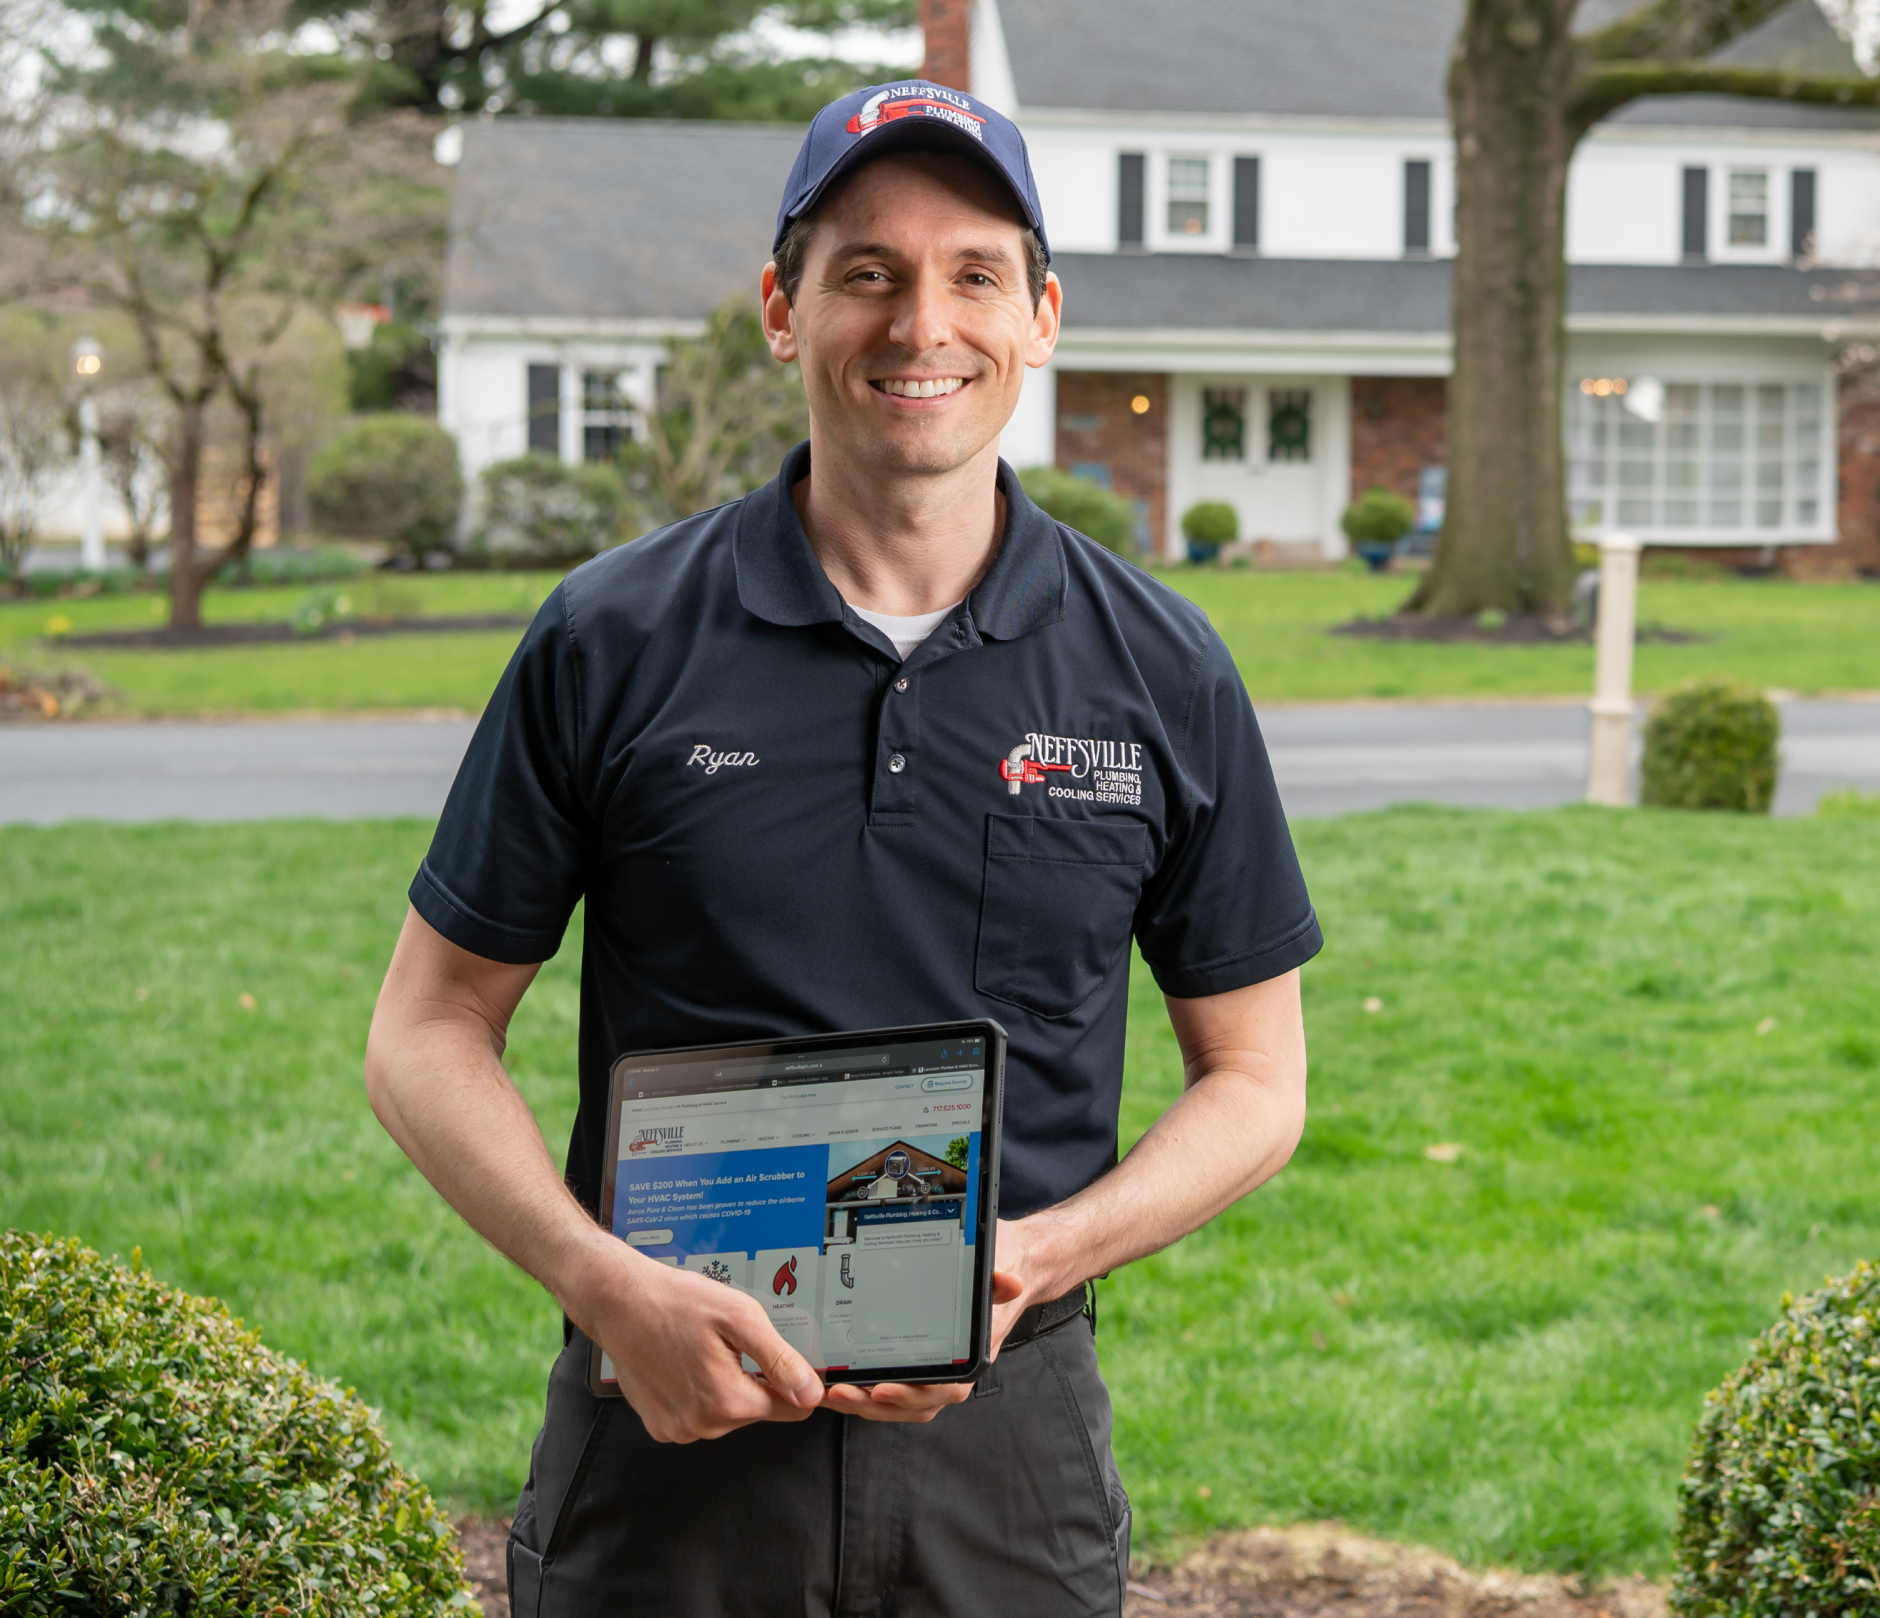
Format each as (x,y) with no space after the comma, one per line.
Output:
(891,105)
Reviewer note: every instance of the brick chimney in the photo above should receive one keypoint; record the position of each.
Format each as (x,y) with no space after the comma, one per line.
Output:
(948,25)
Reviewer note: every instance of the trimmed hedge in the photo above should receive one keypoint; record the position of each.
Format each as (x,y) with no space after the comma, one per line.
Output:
(1094,511)
(391,477)
(536,509)
(1780,1505)
(1711,744)
(1378,517)
(1212,523)
(155,1458)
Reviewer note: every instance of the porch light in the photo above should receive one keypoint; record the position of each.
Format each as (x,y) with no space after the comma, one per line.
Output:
(1140,404)
(87,356)
(1603,387)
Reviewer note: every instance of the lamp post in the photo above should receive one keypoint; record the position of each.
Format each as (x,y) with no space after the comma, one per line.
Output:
(1612,671)
(87,362)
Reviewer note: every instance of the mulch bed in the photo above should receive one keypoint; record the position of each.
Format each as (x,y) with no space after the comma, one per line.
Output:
(177,640)
(1516,630)
(1310,1570)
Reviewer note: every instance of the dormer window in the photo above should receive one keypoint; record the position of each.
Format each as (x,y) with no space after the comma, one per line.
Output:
(1749,207)
(1188,196)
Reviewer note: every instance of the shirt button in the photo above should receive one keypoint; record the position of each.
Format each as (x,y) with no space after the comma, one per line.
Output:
(901,684)
(896,764)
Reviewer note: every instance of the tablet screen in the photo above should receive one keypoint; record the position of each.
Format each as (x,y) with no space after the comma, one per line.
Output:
(841,1182)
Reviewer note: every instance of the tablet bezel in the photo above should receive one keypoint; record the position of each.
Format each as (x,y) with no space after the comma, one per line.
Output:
(992,1112)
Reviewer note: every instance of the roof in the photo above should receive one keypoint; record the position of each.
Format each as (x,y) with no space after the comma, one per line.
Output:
(1339,59)
(1209,292)
(603,219)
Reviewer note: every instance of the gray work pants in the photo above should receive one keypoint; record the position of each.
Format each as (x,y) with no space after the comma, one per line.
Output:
(1008,1504)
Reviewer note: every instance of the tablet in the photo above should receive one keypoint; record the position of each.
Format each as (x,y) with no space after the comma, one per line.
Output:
(847,1182)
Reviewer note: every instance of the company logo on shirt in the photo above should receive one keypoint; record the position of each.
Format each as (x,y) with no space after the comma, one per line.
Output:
(1094,769)
(712,763)
(656,1142)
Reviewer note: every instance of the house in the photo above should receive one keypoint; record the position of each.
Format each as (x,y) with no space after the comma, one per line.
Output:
(1249,206)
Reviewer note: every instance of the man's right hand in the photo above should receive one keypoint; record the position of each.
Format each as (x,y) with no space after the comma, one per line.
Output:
(677,1341)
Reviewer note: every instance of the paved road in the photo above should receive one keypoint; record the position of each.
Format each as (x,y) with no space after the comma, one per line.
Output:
(1328,761)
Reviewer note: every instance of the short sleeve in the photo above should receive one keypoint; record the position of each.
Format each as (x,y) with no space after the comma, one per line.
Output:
(515,843)
(1227,905)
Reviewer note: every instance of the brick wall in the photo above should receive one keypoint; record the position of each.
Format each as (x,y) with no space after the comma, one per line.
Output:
(948,27)
(1095,425)
(1397,429)
(1858,549)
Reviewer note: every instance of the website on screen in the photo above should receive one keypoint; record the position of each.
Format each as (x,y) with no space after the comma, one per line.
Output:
(840,1189)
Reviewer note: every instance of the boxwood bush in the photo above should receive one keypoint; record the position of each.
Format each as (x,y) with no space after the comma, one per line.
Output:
(1780,1506)
(536,510)
(393,478)
(155,1458)
(1094,511)
(1711,744)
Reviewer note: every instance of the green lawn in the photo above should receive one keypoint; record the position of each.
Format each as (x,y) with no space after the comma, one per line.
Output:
(1817,637)
(1514,1344)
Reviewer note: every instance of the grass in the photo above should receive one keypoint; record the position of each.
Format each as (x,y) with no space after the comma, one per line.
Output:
(456,670)
(1815,637)
(1501,1355)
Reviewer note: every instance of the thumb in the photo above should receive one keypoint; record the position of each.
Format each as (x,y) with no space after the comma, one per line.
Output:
(1006,1286)
(783,1368)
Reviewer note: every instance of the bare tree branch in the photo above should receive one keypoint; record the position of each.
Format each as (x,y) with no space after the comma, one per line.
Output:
(1677,30)
(1610,86)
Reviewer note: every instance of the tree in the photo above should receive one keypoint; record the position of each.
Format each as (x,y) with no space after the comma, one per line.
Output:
(34,447)
(620,58)
(725,410)
(1524,89)
(216,189)
(957,1150)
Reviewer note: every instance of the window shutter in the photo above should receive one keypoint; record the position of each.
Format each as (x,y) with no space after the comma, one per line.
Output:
(545,410)
(1696,214)
(1129,166)
(1802,213)
(1247,202)
(1416,206)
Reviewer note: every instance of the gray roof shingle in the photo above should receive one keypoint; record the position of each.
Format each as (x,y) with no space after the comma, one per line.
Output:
(611,219)
(1336,58)
(1208,292)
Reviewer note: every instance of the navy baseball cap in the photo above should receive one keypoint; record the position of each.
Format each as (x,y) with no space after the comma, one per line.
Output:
(912,116)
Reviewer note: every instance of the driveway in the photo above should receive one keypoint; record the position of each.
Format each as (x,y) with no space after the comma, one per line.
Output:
(1328,761)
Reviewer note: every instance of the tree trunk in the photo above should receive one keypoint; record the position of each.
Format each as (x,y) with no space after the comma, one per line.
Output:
(1504,541)
(187,575)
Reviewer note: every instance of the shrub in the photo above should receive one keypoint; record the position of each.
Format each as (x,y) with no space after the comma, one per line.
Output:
(1211,524)
(1779,1509)
(1378,517)
(1711,744)
(393,478)
(155,1458)
(1094,511)
(1849,804)
(537,510)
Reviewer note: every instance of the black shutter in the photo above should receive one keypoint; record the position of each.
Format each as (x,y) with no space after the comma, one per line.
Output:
(1696,213)
(545,410)
(1416,206)
(1247,202)
(1802,213)
(1129,199)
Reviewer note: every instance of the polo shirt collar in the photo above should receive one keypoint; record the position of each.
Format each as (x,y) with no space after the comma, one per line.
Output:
(780,580)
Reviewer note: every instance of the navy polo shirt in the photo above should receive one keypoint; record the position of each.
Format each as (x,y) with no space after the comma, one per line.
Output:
(781,828)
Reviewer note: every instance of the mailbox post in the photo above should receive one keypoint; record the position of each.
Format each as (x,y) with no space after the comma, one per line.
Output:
(1612,671)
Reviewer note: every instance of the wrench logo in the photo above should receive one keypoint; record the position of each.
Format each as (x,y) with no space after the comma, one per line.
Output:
(1018,769)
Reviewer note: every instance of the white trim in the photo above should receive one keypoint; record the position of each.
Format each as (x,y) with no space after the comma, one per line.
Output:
(987,60)
(1833,331)
(567,328)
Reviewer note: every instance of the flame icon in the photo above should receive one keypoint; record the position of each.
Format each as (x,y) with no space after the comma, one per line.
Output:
(785,1278)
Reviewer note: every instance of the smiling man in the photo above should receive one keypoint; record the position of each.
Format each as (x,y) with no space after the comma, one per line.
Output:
(879,744)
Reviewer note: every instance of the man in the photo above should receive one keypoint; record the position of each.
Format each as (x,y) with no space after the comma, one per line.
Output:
(878,744)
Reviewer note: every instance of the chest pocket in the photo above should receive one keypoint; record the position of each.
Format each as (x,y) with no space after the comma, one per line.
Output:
(1059,899)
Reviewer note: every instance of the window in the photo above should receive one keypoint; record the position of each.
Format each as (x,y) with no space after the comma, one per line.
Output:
(1129,199)
(1416,207)
(1188,196)
(1802,213)
(1723,458)
(1224,424)
(1696,213)
(1749,207)
(1247,202)
(1289,424)
(545,410)
(606,417)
